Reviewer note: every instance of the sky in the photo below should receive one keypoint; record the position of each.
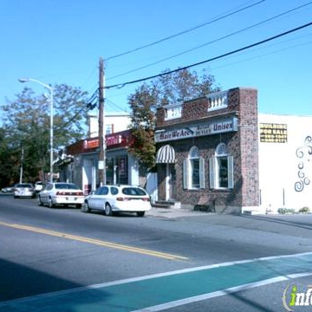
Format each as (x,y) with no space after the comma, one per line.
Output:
(62,41)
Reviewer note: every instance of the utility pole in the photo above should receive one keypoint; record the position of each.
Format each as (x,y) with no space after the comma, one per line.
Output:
(102,160)
(21,168)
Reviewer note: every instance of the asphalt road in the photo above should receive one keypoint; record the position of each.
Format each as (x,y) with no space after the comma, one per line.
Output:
(65,260)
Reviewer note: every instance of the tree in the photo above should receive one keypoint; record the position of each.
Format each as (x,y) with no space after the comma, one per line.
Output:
(26,127)
(142,104)
(167,89)
(9,160)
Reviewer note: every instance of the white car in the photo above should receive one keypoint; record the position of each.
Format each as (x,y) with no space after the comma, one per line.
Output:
(24,190)
(9,189)
(38,186)
(61,193)
(118,198)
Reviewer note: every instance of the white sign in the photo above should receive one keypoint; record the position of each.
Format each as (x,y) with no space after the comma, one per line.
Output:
(226,125)
(101,165)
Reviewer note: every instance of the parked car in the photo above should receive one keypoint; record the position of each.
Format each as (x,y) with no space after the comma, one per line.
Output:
(8,189)
(24,190)
(118,198)
(61,193)
(38,186)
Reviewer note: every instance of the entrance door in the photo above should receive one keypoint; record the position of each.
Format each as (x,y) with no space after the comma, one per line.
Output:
(88,176)
(172,182)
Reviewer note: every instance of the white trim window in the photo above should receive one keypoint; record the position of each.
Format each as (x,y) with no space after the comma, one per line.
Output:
(194,170)
(221,169)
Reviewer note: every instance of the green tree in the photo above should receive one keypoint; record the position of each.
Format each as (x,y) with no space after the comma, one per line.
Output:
(9,160)
(142,104)
(168,88)
(27,127)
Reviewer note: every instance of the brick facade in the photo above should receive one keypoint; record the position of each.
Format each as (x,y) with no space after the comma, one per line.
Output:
(242,144)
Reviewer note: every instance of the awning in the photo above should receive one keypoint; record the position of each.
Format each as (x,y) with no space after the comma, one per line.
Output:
(165,155)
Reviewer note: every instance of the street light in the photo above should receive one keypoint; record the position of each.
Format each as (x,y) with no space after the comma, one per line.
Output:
(51,119)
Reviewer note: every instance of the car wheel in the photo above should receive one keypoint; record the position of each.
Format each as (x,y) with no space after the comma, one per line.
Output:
(40,203)
(108,210)
(140,213)
(51,205)
(85,207)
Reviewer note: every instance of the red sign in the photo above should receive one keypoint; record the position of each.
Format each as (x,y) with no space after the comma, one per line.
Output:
(88,144)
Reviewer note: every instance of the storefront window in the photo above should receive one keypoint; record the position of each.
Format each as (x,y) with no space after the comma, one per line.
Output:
(110,170)
(117,170)
(223,171)
(122,170)
(194,170)
(194,166)
(221,168)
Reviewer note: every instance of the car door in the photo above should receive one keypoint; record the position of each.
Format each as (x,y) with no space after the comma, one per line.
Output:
(44,194)
(112,195)
(96,200)
(92,200)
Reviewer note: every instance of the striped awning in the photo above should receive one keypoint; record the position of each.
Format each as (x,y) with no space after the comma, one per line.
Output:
(165,155)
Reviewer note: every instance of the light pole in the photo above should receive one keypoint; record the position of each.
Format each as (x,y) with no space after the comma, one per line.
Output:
(51,119)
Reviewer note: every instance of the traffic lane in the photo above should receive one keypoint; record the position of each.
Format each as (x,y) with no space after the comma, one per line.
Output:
(201,249)
(35,263)
(288,225)
(206,238)
(268,298)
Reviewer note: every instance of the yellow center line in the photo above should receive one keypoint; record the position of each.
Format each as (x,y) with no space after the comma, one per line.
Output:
(95,241)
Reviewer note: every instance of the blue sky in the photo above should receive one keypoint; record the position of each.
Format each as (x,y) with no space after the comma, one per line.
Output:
(61,42)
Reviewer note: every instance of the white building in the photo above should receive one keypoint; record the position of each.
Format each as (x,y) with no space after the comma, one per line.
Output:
(113,122)
(285,162)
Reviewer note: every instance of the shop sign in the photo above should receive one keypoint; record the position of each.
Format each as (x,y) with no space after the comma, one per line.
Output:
(110,140)
(113,140)
(273,133)
(226,125)
(88,144)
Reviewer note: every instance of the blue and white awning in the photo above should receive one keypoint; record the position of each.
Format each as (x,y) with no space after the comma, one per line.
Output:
(165,155)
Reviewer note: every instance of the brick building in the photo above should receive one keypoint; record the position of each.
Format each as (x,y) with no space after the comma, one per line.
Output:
(207,152)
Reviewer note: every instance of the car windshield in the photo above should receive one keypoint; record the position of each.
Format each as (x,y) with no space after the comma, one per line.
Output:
(66,186)
(133,191)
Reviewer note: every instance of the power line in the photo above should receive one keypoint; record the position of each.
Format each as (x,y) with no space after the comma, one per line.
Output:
(116,106)
(121,85)
(183,32)
(211,42)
